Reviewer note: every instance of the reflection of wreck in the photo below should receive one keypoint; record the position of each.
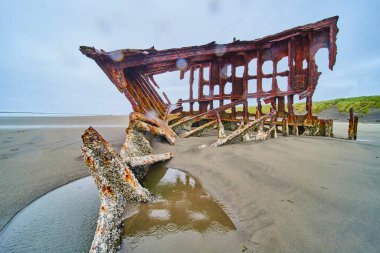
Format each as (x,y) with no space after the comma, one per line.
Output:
(218,67)
(183,206)
(133,72)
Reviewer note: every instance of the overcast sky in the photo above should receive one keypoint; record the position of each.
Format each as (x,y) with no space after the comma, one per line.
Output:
(42,70)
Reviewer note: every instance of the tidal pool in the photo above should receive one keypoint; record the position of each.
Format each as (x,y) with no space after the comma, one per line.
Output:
(63,220)
(183,218)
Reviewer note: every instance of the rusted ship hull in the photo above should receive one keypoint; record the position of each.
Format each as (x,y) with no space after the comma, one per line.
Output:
(133,72)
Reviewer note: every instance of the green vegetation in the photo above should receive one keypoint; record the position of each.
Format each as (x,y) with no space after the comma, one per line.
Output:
(359,104)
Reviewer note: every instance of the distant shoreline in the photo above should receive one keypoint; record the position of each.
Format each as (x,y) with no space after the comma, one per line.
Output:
(62,121)
(51,114)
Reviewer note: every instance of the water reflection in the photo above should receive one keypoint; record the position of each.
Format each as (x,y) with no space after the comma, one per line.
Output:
(182,212)
(63,220)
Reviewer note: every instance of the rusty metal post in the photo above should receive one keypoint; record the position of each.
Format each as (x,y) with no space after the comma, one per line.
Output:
(285,127)
(295,129)
(352,125)
(273,125)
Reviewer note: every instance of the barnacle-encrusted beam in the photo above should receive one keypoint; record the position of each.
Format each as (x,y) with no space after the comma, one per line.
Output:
(151,124)
(138,153)
(116,177)
(117,186)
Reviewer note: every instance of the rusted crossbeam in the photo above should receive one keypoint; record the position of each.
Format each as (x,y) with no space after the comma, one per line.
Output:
(197,131)
(239,133)
(187,122)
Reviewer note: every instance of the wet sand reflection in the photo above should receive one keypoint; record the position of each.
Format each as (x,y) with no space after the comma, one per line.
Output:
(182,210)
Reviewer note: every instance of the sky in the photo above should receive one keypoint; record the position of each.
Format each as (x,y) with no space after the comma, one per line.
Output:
(42,70)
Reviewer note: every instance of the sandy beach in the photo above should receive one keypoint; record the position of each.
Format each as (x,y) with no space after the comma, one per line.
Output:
(293,194)
(39,154)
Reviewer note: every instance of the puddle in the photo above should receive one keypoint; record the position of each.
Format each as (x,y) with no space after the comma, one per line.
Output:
(63,220)
(183,218)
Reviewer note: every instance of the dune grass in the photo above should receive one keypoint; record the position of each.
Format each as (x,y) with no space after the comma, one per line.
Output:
(361,105)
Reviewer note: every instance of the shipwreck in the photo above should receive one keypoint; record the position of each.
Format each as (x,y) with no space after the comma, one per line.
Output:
(225,80)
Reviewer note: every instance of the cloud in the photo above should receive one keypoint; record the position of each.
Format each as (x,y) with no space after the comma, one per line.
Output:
(43,69)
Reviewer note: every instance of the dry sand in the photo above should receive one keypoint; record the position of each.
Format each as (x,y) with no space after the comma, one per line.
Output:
(294,194)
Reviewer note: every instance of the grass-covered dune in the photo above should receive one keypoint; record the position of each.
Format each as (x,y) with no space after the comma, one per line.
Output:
(361,105)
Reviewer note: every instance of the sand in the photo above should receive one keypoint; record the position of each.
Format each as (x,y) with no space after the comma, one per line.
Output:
(333,113)
(39,154)
(293,194)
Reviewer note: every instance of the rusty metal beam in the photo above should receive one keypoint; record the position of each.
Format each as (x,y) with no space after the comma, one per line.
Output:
(238,134)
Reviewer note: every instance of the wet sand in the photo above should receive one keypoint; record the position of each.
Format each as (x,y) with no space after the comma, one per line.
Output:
(63,220)
(39,154)
(182,216)
(294,194)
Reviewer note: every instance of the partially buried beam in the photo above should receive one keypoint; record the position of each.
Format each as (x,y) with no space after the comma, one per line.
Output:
(117,186)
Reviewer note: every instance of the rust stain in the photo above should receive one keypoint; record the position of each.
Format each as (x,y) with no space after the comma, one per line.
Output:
(107,190)
(103,209)
(89,161)
(128,179)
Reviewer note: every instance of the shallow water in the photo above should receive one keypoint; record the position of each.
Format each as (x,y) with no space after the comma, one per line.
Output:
(63,220)
(183,215)
(183,218)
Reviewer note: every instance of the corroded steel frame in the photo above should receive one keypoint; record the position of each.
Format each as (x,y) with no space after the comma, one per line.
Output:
(133,70)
